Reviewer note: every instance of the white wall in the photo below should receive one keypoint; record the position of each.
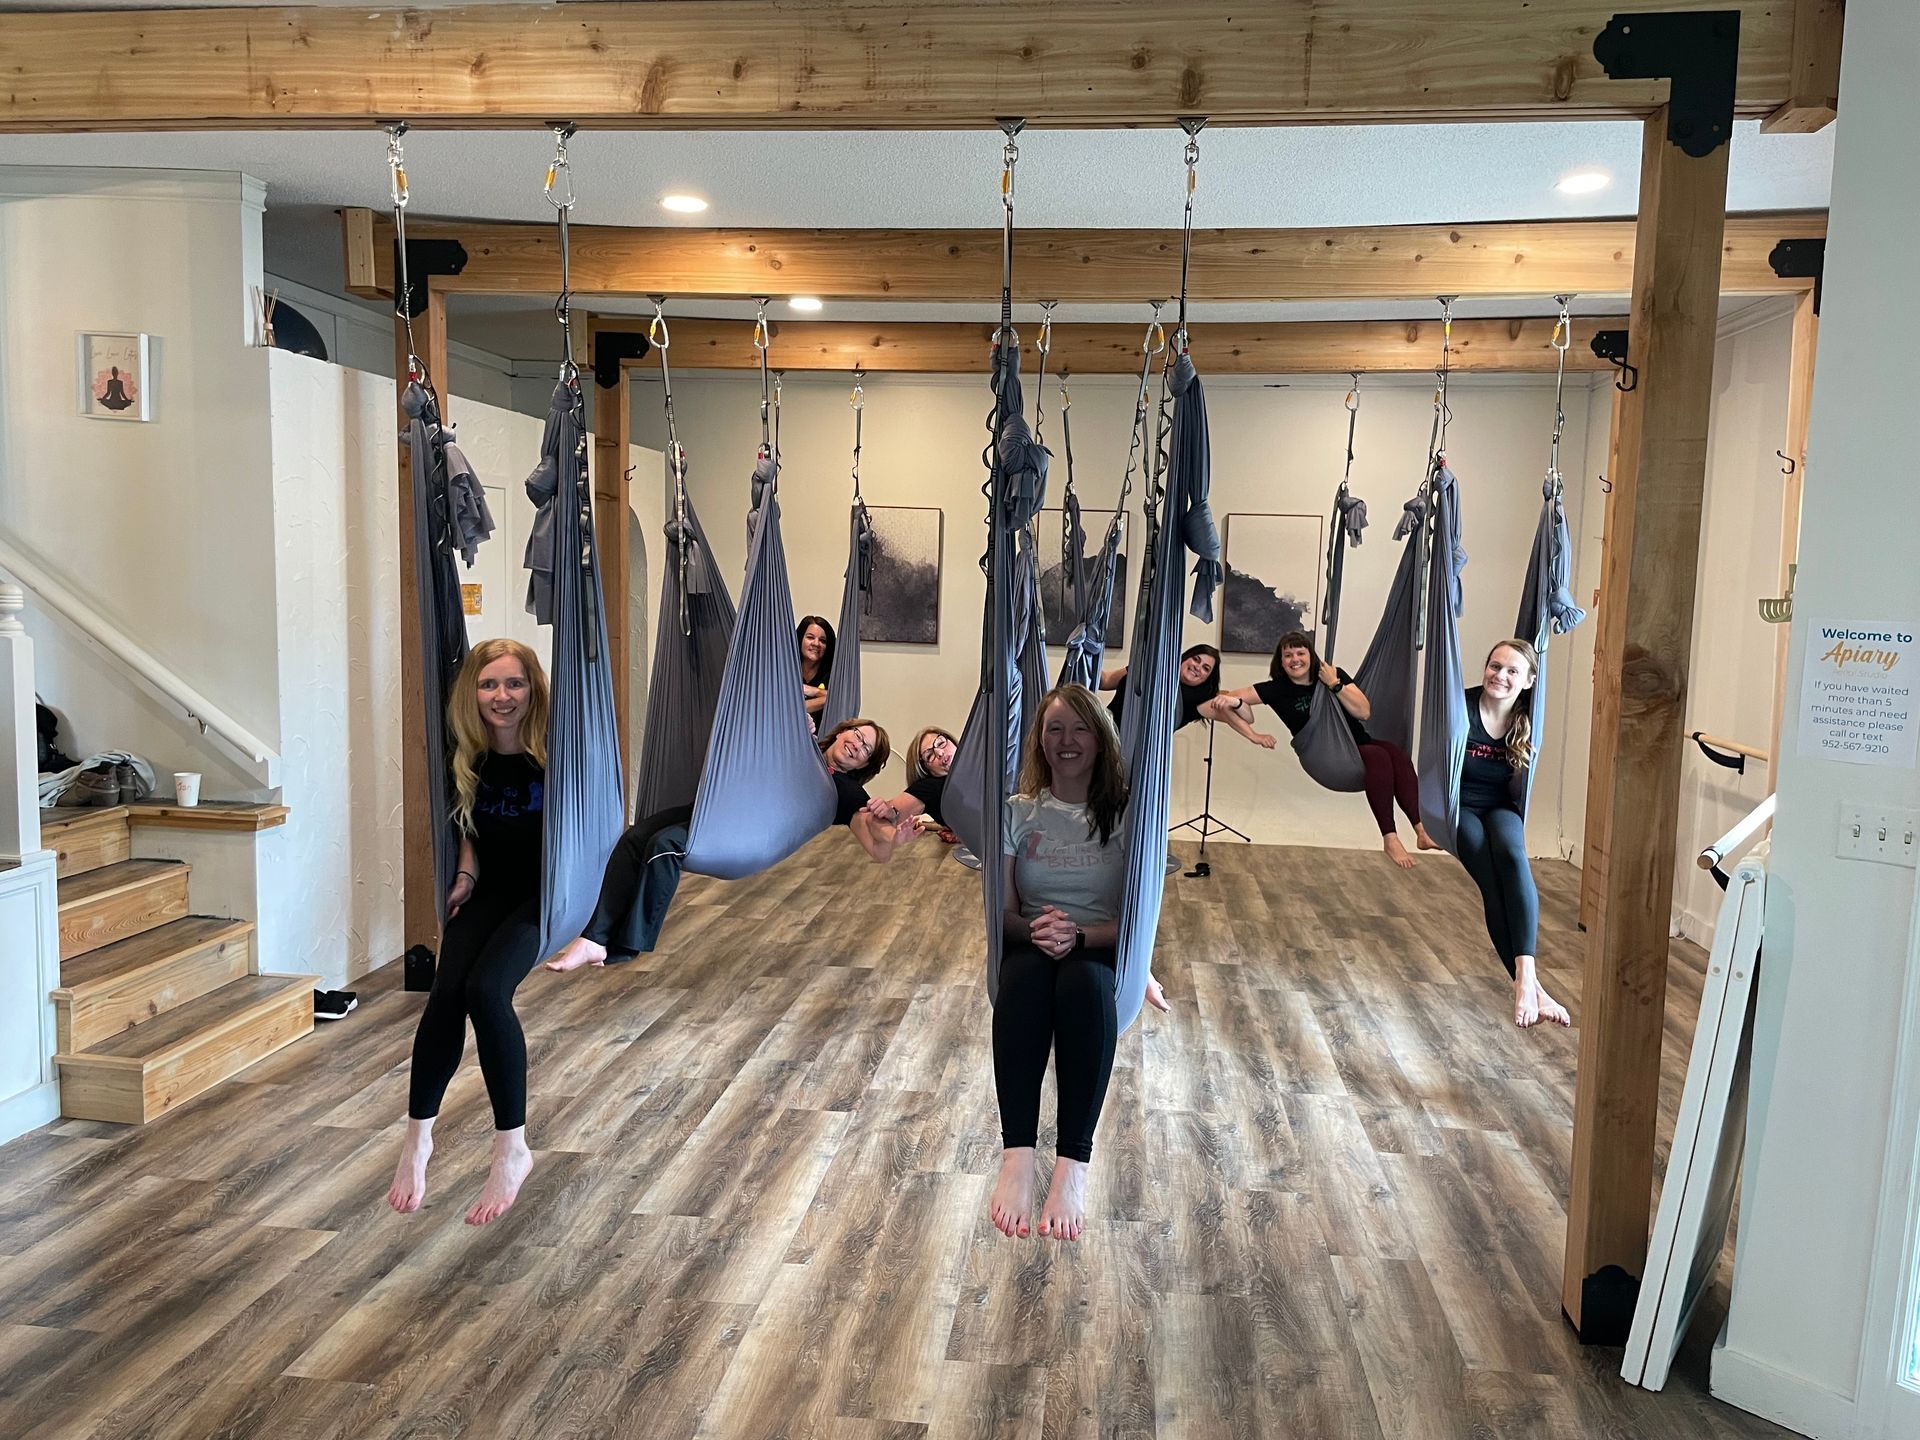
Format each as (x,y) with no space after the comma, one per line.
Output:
(1275,450)
(1836,965)
(158,525)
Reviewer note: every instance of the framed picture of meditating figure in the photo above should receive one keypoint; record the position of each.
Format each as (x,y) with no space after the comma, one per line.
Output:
(113,377)
(1273,580)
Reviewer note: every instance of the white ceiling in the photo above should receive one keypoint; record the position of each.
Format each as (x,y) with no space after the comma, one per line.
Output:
(1297,176)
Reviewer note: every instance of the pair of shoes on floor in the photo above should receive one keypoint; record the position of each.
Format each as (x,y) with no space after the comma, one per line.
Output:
(333,1004)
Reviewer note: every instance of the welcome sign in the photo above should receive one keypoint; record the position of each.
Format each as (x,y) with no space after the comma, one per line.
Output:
(1856,693)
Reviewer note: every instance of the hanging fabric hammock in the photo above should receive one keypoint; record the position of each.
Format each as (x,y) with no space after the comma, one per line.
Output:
(1325,744)
(449,513)
(1389,671)
(1093,577)
(691,636)
(1547,606)
(1443,699)
(1184,525)
(1031,626)
(856,594)
(764,792)
(584,809)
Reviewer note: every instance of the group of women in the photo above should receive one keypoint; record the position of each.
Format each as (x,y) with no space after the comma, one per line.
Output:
(1063,852)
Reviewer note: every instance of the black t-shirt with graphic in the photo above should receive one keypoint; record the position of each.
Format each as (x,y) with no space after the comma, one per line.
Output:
(930,790)
(1486,779)
(509,802)
(849,798)
(1293,703)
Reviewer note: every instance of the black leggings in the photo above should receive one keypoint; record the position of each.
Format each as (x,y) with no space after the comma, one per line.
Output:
(1493,847)
(1390,777)
(641,875)
(487,950)
(1066,1006)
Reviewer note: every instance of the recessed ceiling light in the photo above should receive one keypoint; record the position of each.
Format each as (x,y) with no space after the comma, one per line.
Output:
(1584,182)
(683,204)
(804,302)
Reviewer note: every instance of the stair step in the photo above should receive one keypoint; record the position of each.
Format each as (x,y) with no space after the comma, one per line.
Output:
(132,981)
(101,906)
(86,838)
(142,1073)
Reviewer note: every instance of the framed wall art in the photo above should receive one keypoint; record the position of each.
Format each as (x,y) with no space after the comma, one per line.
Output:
(114,376)
(906,576)
(1273,580)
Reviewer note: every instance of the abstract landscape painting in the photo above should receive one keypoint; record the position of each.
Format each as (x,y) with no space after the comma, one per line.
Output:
(1273,580)
(906,576)
(1053,574)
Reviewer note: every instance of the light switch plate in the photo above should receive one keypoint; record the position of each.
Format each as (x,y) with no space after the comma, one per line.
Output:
(1884,834)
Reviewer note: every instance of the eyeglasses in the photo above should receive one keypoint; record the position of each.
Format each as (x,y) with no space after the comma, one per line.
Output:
(860,746)
(930,752)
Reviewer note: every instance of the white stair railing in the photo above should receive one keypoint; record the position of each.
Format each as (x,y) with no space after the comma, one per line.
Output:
(253,754)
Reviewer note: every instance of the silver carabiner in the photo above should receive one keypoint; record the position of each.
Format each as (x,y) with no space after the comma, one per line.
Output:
(559,170)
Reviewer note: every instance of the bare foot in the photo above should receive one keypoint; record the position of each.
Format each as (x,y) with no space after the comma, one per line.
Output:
(1526,1000)
(1012,1206)
(1550,1008)
(410,1175)
(578,952)
(512,1161)
(1396,852)
(1157,996)
(1065,1213)
(1424,840)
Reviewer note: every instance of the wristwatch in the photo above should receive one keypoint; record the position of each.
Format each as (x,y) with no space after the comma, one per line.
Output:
(1079,938)
(1338,686)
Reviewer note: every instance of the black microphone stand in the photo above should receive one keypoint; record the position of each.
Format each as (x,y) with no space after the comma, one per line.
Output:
(1206,822)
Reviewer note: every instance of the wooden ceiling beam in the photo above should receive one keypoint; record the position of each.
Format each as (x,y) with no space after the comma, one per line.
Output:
(845,64)
(1591,257)
(1312,347)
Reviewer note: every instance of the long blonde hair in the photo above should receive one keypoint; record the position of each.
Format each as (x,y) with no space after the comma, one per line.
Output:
(470,735)
(916,768)
(1520,727)
(1107,786)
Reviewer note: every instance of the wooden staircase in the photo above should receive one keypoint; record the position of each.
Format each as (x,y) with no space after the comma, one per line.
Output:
(155,1005)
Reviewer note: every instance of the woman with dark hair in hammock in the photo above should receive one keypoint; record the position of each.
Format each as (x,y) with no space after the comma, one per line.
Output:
(1297,670)
(1200,697)
(631,910)
(814,637)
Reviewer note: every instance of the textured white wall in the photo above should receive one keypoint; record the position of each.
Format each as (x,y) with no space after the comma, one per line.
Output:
(159,525)
(1274,450)
(1827,1036)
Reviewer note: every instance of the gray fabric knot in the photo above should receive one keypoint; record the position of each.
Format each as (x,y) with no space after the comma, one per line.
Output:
(1352,517)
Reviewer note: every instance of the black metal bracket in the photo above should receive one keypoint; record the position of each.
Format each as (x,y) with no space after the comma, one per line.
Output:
(1698,50)
(610,348)
(1802,260)
(427,258)
(1611,346)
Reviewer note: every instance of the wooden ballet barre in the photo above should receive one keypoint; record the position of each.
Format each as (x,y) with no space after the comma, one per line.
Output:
(1742,832)
(1732,747)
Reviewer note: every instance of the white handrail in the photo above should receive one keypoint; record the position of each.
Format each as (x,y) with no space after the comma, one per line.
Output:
(233,737)
(1742,832)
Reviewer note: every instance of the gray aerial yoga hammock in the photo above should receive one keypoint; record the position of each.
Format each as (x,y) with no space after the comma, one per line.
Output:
(1443,698)
(1547,606)
(691,637)
(1091,578)
(765,791)
(1325,744)
(856,594)
(449,514)
(584,810)
(1153,674)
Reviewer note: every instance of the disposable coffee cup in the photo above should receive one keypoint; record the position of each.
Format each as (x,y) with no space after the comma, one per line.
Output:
(186,787)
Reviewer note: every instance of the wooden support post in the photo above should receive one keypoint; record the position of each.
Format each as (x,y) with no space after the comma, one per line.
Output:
(421,913)
(612,438)
(1654,552)
(1806,341)
(1606,702)
(1813,74)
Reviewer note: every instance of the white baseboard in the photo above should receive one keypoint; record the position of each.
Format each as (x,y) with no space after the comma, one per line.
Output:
(1789,1400)
(29,1110)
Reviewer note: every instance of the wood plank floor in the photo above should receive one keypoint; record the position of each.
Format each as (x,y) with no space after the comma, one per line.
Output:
(1328,1198)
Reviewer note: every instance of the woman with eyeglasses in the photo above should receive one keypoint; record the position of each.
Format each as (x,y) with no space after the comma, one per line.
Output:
(929,763)
(644,869)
